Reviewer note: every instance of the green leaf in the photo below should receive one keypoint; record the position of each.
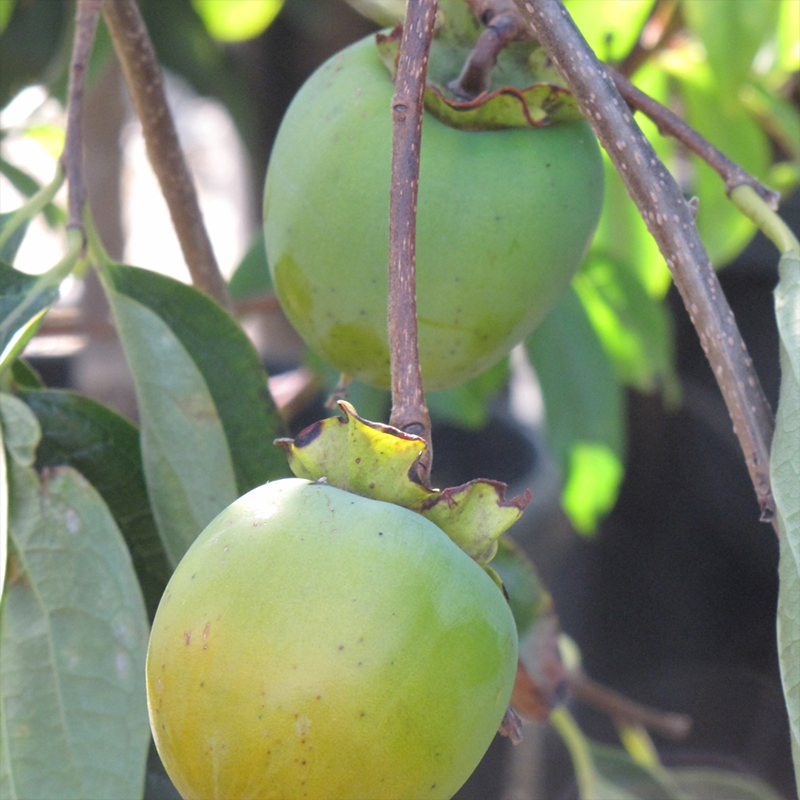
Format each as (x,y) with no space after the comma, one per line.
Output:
(73,638)
(610,27)
(6,10)
(9,250)
(634,328)
(29,186)
(732,32)
(724,121)
(467,405)
(252,276)
(3,504)
(237,20)
(23,300)
(700,783)
(104,448)
(207,419)
(785,478)
(584,410)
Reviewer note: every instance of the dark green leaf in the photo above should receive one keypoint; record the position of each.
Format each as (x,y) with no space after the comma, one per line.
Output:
(23,300)
(467,405)
(207,418)
(104,448)
(584,410)
(252,276)
(9,250)
(25,376)
(28,186)
(73,638)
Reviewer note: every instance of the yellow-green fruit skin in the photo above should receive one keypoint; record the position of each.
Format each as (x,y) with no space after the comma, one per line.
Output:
(504,220)
(317,644)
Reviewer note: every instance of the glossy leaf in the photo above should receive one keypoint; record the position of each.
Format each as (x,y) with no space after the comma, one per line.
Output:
(73,637)
(104,447)
(785,478)
(207,419)
(584,410)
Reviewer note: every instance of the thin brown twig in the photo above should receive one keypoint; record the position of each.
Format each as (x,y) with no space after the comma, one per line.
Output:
(670,221)
(87,14)
(409,412)
(624,710)
(146,86)
(670,124)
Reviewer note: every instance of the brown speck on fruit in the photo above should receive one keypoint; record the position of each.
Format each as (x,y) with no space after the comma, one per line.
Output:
(372,486)
(193,576)
(187,637)
(202,684)
(205,630)
(358,461)
(319,697)
(341,647)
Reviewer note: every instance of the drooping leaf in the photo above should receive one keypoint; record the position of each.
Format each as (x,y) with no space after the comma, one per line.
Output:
(104,447)
(584,410)
(29,186)
(207,418)
(785,479)
(73,638)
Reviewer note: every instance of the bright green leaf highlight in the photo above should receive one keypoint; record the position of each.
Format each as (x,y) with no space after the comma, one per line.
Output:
(785,478)
(584,410)
(237,20)
(6,10)
(73,638)
(595,474)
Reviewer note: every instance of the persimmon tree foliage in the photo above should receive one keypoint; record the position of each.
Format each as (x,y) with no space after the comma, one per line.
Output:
(97,512)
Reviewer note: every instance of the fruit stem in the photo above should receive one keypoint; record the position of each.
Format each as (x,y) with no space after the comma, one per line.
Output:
(87,14)
(670,220)
(409,411)
(146,86)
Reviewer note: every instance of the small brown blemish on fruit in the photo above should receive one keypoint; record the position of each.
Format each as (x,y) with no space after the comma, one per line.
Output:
(205,630)
(187,637)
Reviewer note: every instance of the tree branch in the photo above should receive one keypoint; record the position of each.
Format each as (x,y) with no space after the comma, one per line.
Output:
(146,86)
(670,221)
(670,124)
(409,412)
(87,14)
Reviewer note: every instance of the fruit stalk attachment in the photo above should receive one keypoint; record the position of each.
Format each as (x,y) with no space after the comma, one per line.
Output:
(409,412)
(670,220)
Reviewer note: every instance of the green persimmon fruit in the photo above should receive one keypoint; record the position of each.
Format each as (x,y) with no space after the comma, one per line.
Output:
(313,643)
(504,220)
